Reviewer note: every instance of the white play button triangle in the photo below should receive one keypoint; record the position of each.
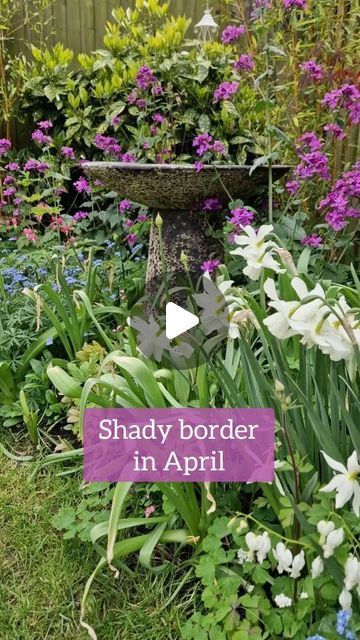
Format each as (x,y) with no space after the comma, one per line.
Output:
(178,320)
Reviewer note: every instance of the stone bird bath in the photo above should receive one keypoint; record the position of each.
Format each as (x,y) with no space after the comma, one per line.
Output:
(175,191)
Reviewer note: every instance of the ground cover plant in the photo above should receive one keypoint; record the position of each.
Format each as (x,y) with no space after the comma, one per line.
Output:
(279,85)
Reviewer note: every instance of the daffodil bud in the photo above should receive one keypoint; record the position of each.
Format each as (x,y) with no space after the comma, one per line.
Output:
(184,260)
(159,221)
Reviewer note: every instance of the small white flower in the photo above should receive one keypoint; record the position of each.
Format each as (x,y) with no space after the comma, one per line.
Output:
(297,565)
(345,600)
(352,573)
(282,601)
(345,483)
(250,588)
(304,595)
(334,540)
(324,528)
(242,556)
(284,558)
(317,567)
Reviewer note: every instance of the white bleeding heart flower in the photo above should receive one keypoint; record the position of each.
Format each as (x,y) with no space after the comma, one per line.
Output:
(298,564)
(284,558)
(334,540)
(324,528)
(317,567)
(345,600)
(352,573)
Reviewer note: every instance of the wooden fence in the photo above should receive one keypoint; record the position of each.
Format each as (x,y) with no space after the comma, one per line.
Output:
(80,24)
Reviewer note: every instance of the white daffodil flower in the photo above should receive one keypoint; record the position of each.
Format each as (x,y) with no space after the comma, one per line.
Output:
(345,600)
(257,253)
(334,540)
(345,483)
(298,564)
(284,558)
(282,601)
(291,318)
(152,341)
(352,573)
(317,567)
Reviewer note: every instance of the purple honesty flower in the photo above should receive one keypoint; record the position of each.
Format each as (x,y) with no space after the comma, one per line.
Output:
(132,97)
(45,125)
(80,215)
(145,78)
(141,103)
(128,157)
(40,137)
(339,201)
(244,63)
(211,204)
(68,152)
(293,187)
(241,217)
(210,265)
(108,144)
(257,7)
(142,217)
(125,205)
(157,90)
(8,180)
(225,91)
(9,192)
(336,130)
(232,33)
(347,97)
(309,142)
(128,223)
(158,117)
(312,164)
(5,146)
(36,165)
(18,201)
(12,166)
(313,69)
(131,238)
(82,185)
(115,121)
(202,143)
(198,166)
(218,147)
(301,4)
(312,241)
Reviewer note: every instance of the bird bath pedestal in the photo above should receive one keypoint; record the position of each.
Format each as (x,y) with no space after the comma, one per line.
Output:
(176,192)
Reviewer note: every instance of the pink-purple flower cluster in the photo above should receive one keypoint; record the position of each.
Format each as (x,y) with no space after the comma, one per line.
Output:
(36,165)
(108,145)
(335,130)
(203,143)
(312,69)
(145,78)
(258,7)
(339,203)
(211,204)
(210,266)
(225,91)
(80,215)
(125,205)
(346,97)
(232,33)
(68,152)
(41,138)
(301,4)
(241,217)
(244,63)
(313,241)
(313,162)
(293,187)
(82,185)
(5,146)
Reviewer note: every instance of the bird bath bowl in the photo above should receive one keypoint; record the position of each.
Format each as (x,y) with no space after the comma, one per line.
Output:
(176,192)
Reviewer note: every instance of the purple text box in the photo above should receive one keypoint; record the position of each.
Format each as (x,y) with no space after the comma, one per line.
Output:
(179,445)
